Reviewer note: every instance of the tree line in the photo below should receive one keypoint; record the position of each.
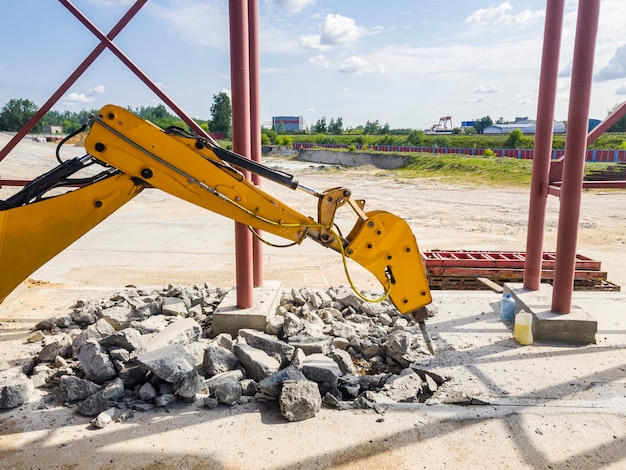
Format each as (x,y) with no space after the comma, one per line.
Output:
(17,112)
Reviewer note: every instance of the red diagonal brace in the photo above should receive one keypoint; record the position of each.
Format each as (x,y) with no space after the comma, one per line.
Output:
(136,70)
(70,80)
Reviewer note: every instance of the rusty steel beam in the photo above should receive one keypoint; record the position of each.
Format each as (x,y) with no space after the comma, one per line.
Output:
(84,65)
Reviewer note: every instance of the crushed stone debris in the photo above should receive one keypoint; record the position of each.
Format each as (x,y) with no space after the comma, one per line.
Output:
(144,349)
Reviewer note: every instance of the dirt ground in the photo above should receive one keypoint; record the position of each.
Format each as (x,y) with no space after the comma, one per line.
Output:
(544,406)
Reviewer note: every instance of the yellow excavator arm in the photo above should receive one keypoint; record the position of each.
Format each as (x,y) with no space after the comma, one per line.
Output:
(37,223)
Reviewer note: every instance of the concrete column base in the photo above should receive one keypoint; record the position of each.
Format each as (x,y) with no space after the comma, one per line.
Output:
(228,318)
(576,327)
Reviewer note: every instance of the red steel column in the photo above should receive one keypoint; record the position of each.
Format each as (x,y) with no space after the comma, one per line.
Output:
(240,84)
(255,123)
(575,149)
(543,142)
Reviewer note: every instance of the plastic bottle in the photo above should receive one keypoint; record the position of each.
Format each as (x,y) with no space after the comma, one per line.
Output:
(507,307)
(523,328)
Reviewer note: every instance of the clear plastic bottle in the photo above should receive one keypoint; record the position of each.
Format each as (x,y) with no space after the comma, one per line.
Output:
(507,307)
(523,328)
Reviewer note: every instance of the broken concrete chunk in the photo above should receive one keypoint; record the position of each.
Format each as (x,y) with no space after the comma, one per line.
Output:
(15,388)
(189,385)
(128,338)
(404,388)
(258,363)
(273,384)
(320,368)
(224,340)
(174,306)
(321,345)
(80,338)
(274,325)
(114,390)
(218,359)
(228,393)
(41,374)
(120,317)
(93,405)
(75,389)
(153,324)
(104,327)
(147,392)
(348,298)
(57,345)
(169,363)
(276,348)
(343,330)
(35,337)
(299,400)
(164,400)
(104,418)
(343,360)
(232,376)
(96,362)
(298,359)
(292,325)
(183,331)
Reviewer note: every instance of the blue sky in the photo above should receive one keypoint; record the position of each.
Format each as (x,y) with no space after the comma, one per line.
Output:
(403,62)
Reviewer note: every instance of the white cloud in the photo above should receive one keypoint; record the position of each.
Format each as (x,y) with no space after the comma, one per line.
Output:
(616,68)
(312,41)
(78,98)
(320,61)
(473,100)
(501,15)
(293,6)
(621,90)
(336,30)
(339,29)
(487,89)
(359,66)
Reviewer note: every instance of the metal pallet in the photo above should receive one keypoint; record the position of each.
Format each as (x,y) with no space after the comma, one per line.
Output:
(460,269)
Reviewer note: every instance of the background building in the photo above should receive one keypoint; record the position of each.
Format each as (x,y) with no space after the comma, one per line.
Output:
(288,123)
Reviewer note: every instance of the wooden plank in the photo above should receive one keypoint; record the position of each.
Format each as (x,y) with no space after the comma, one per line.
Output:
(492,285)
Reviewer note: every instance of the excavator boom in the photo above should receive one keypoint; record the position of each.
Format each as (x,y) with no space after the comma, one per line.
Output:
(36,224)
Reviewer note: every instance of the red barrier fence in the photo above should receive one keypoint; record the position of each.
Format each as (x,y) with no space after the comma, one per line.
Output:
(608,156)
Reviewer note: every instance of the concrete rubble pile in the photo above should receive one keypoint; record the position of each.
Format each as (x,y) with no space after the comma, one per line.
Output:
(141,350)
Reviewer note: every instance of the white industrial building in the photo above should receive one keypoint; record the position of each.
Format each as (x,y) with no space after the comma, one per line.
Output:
(526,126)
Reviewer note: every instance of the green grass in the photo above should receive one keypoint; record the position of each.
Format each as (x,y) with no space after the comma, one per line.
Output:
(480,170)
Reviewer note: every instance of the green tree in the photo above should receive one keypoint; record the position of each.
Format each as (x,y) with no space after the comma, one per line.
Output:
(320,126)
(481,124)
(270,134)
(335,127)
(221,114)
(15,113)
(416,138)
(514,139)
(372,128)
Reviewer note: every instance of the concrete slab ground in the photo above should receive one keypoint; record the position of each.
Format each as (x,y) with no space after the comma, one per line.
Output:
(539,406)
